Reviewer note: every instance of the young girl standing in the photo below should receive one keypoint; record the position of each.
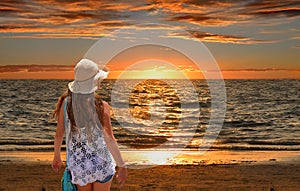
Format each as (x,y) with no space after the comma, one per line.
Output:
(92,151)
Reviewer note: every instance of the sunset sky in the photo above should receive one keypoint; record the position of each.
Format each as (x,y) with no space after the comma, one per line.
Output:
(248,38)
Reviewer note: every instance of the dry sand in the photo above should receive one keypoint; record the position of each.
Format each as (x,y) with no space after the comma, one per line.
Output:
(273,175)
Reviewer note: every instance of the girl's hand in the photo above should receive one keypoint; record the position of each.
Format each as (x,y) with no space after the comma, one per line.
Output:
(56,163)
(122,176)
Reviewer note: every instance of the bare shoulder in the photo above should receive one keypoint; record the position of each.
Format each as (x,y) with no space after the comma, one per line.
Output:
(106,107)
(107,116)
(105,104)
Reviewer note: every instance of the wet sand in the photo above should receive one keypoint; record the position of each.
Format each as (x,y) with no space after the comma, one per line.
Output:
(17,173)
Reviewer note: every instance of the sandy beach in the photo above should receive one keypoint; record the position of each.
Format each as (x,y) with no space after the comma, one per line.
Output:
(33,172)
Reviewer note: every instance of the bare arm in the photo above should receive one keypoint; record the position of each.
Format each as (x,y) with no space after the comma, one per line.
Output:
(60,130)
(113,145)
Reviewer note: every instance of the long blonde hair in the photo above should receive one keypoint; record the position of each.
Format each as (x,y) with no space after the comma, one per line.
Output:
(68,93)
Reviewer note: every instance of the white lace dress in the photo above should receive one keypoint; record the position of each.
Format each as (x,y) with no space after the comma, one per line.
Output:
(88,162)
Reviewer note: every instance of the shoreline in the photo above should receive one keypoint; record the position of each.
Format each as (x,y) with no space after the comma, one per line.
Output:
(32,171)
(141,158)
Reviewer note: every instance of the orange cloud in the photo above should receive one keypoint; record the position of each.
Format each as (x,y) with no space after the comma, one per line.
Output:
(210,37)
(56,18)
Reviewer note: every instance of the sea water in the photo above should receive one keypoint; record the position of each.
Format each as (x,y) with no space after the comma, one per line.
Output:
(260,114)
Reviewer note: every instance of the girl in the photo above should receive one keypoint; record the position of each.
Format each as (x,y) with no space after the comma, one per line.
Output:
(92,150)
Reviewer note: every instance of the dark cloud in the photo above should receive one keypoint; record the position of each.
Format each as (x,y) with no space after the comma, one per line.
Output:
(225,12)
(191,17)
(263,4)
(262,70)
(75,15)
(209,3)
(60,13)
(271,8)
(271,13)
(57,19)
(35,68)
(221,38)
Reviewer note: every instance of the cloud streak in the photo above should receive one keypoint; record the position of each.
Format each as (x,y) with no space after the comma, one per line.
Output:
(114,9)
(35,68)
(221,38)
(93,19)
(262,70)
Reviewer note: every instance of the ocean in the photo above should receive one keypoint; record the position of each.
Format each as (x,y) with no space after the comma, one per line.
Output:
(260,114)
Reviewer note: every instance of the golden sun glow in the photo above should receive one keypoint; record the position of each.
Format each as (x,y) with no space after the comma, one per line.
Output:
(152,69)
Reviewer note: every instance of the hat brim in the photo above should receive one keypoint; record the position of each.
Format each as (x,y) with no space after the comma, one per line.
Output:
(88,86)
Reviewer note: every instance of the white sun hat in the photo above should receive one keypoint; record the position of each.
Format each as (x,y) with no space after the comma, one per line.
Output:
(87,75)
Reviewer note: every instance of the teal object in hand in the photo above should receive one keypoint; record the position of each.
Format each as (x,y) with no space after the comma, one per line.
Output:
(66,183)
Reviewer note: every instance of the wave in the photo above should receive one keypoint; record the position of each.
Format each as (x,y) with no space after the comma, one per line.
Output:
(25,142)
(260,142)
(244,123)
(261,114)
(244,148)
